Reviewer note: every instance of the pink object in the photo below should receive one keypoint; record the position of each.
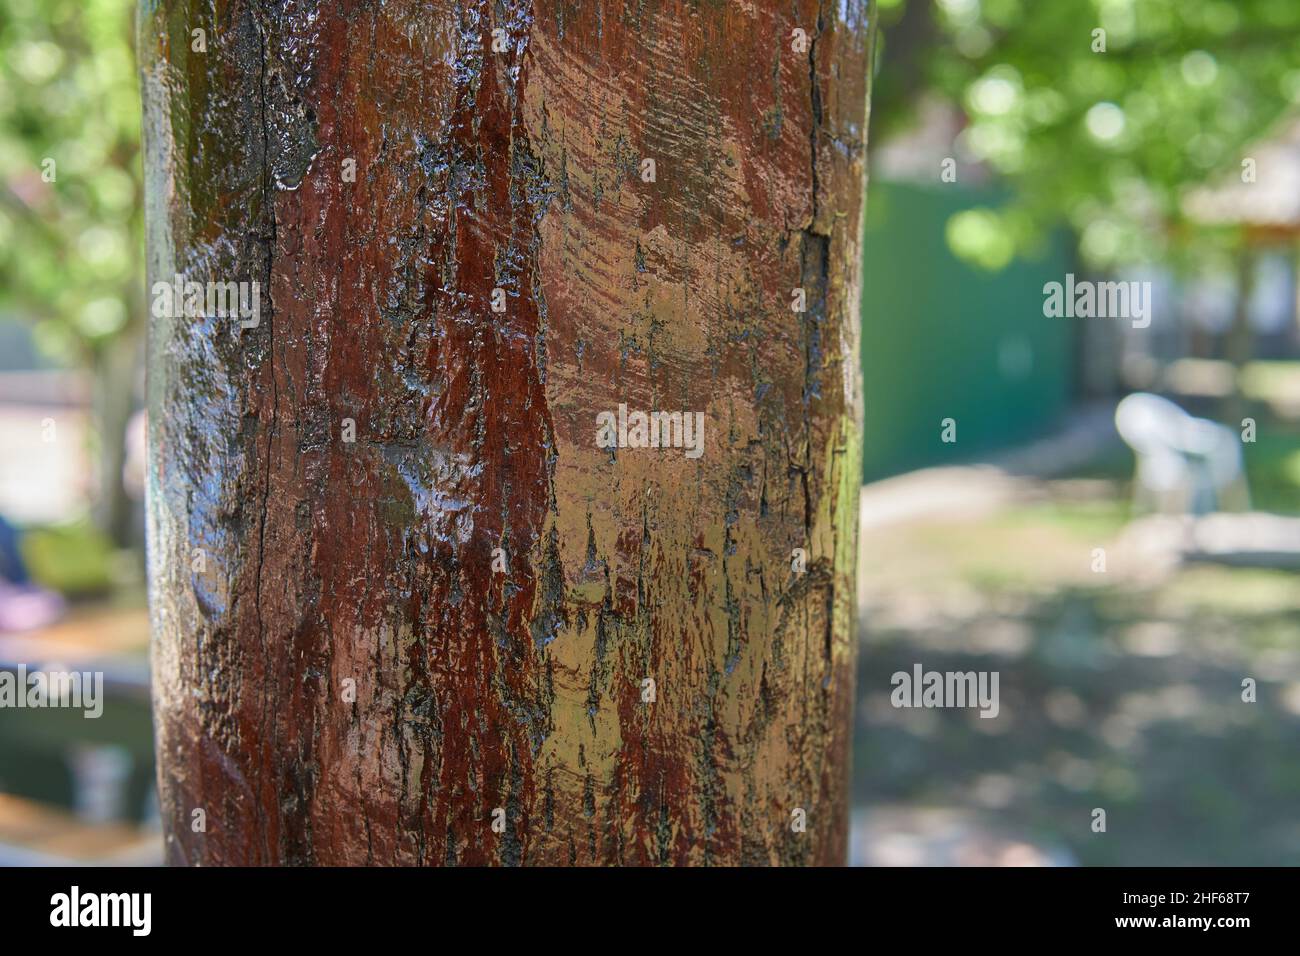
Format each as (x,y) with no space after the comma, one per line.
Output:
(24,607)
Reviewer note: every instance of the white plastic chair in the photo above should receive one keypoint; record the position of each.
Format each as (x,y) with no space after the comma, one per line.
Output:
(1184,464)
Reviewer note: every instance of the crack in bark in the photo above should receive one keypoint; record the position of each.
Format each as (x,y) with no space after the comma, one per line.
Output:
(268,200)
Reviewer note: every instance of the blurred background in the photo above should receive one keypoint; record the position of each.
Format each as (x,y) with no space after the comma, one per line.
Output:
(1013,143)
(72,321)
(1116,140)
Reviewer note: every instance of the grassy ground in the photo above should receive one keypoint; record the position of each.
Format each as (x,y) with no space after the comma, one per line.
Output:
(1120,690)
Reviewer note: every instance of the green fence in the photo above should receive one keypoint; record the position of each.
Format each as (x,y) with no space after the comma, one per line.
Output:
(943,339)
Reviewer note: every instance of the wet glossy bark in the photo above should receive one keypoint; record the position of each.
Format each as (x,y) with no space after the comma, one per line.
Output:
(516,696)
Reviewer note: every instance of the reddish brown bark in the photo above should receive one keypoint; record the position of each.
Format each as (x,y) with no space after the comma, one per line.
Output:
(326,562)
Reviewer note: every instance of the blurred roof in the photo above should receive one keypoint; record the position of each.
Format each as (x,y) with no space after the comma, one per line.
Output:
(914,154)
(1271,201)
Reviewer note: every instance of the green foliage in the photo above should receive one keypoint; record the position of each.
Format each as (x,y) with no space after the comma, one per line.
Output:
(75,559)
(70,248)
(1107,142)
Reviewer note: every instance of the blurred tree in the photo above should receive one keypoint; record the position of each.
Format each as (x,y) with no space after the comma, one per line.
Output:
(1102,113)
(70,201)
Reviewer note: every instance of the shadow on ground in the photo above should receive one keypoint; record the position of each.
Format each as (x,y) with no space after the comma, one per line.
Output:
(1119,689)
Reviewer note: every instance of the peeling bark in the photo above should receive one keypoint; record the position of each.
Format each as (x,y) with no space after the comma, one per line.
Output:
(482,695)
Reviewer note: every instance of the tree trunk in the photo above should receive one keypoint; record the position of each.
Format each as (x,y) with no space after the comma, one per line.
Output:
(407,608)
(1239,342)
